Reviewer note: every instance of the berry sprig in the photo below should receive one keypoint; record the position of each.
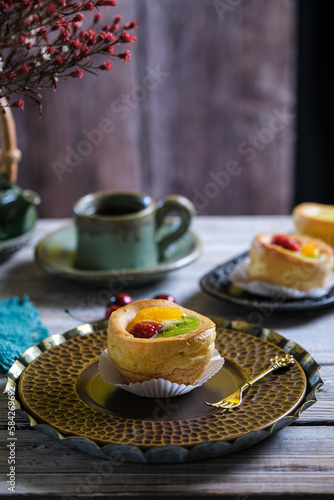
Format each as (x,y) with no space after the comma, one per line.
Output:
(43,41)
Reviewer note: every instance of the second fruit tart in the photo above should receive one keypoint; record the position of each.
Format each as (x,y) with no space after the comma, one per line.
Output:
(295,261)
(156,338)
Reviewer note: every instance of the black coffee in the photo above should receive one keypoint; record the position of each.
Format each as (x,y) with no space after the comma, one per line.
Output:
(118,205)
(109,212)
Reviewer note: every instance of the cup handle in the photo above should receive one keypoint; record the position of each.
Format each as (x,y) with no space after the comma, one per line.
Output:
(185,210)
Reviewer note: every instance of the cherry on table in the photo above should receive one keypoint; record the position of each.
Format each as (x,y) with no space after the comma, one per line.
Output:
(110,309)
(120,300)
(166,296)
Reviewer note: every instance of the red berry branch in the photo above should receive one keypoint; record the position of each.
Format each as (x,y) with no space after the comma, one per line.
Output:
(42,41)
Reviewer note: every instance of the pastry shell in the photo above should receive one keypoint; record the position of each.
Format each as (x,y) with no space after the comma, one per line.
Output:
(307,222)
(273,264)
(180,359)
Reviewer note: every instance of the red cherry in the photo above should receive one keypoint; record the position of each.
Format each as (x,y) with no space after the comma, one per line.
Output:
(145,329)
(110,309)
(166,296)
(286,242)
(111,301)
(122,299)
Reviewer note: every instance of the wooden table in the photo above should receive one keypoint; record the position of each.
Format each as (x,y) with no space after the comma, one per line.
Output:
(297,462)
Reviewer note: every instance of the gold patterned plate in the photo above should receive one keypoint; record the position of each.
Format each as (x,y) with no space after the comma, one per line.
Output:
(61,391)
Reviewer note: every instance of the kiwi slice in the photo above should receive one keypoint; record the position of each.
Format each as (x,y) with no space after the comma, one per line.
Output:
(179,326)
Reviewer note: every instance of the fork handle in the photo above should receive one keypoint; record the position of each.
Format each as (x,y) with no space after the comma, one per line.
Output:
(276,363)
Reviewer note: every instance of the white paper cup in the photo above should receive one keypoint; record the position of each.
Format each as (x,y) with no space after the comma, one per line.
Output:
(238,277)
(158,387)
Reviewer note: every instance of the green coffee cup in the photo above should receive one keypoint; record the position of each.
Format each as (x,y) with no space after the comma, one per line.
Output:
(120,229)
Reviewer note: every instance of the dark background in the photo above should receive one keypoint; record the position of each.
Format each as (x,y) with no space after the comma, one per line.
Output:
(314,163)
(209,129)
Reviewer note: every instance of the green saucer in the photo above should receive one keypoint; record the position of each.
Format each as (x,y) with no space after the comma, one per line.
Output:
(55,254)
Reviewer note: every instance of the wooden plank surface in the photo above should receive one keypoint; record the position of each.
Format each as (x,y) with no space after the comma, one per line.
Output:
(297,462)
(226,92)
(276,465)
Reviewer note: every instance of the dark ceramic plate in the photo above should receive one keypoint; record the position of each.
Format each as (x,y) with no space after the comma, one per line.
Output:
(217,283)
(59,389)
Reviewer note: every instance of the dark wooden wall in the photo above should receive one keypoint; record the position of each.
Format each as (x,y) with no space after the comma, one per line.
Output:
(216,123)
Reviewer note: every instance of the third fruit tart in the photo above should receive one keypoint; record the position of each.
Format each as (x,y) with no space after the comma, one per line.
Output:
(295,261)
(156,338)
(316,220)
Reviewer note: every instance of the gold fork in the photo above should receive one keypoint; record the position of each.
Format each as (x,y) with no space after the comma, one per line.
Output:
(235,399)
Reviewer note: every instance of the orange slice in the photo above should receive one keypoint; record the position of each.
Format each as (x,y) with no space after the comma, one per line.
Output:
(310,250)
(156,314)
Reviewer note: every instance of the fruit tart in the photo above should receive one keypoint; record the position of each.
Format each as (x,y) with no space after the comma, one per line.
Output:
(151,339)
(294,261)
(316,220)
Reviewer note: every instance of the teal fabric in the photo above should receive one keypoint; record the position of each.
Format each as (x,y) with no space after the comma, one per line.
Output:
(20,328)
